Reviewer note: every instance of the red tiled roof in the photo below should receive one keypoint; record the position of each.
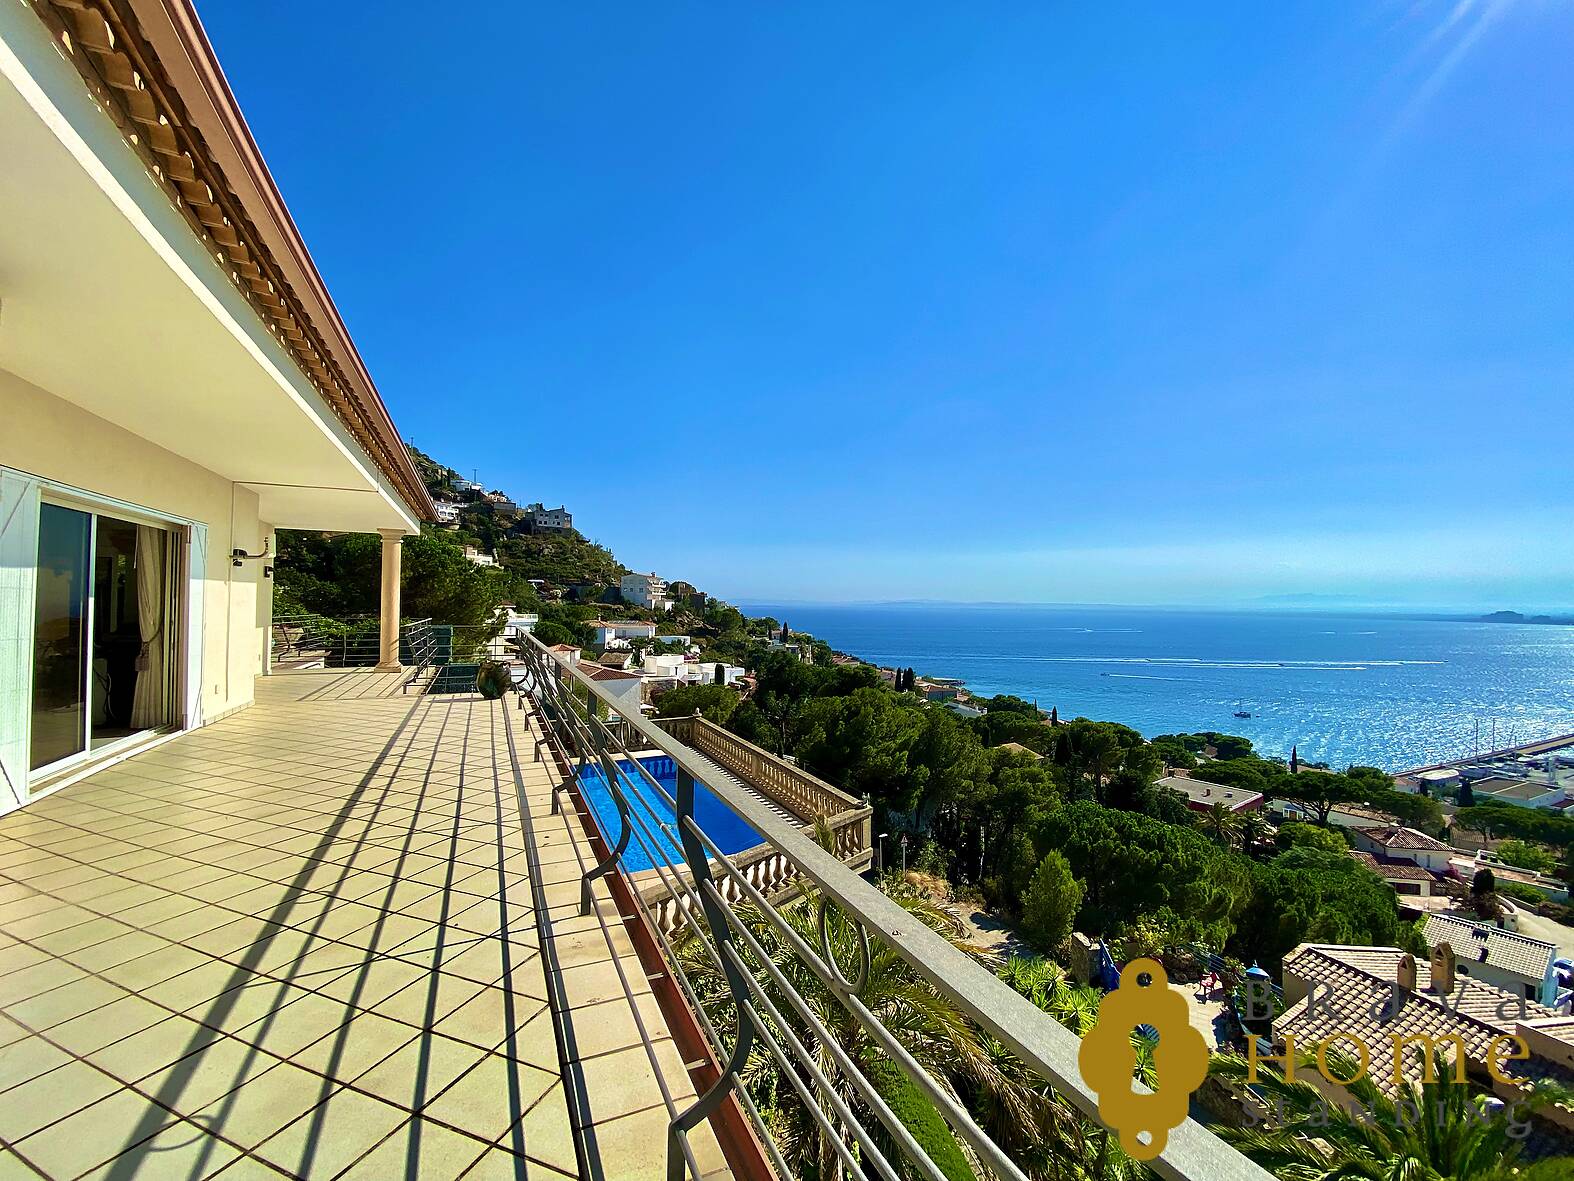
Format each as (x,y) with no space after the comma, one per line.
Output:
(1399,837)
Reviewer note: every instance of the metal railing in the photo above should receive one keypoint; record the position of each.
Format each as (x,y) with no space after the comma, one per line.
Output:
(417,649)
(727,920)
(334,643)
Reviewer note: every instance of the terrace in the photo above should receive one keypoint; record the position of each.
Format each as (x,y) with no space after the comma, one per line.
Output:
(358,932)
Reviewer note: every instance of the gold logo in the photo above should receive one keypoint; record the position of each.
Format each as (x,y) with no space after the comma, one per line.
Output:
(1108,1059)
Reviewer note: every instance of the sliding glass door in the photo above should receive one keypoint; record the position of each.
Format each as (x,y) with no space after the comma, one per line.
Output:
(103,652)
(60,634)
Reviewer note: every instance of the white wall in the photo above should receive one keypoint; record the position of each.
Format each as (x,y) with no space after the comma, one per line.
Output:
(63,444)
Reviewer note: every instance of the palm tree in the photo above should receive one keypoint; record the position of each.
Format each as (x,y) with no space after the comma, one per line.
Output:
(1048,1137)
(1255,830)
(1222,825)
(1438,1131)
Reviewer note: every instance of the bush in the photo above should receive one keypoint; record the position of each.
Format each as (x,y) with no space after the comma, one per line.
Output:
(1296,835)
(714,702)
(1526,856)
(1521,893)
(1049,907)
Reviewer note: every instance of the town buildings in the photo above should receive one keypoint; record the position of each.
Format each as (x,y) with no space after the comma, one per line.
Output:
(645,590)
(539,519)
(1201,795)
(1504,959)
(479,556)
(611,632)
(1398,843)
(1398,1008)
(447,512)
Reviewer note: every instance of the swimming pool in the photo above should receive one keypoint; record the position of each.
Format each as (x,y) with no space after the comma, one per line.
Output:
(730,833)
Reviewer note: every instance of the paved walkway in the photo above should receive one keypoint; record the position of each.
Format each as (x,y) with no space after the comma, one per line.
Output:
(305,941)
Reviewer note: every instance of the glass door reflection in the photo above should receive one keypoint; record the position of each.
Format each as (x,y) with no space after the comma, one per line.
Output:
(65,546)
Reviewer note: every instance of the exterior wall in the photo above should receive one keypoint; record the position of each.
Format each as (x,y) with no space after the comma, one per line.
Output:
(626,691)
(1510,982)
(265,601)
(63,444)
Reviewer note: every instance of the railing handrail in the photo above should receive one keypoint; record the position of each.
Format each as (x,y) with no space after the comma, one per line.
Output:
(833,800)
(1191,1153)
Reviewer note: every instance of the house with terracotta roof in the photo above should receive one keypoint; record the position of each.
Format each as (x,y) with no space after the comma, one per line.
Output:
(1380,994)
(626,688)
(176,384)
(1392,842)
(1406,877)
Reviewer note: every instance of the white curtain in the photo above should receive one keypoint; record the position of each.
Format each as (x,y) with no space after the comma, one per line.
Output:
(148,705)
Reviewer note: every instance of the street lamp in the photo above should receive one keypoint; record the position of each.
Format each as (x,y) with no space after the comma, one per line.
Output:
(879,839)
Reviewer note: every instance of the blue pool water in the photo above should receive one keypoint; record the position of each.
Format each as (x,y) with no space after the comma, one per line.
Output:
(731,834)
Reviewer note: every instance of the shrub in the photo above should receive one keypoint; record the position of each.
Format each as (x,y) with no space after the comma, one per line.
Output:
(1526,856)
(1050,904)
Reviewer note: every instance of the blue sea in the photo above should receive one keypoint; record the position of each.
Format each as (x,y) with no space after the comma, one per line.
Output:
(1385,690)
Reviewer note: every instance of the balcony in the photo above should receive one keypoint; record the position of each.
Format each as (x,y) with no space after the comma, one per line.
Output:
(356,931)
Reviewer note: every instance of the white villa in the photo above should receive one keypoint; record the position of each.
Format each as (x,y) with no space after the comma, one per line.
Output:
(176,384)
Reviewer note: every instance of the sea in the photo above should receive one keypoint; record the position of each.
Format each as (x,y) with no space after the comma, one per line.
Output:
(1384,690)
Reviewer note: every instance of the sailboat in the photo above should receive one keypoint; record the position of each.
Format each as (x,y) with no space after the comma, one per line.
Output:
(1242,713)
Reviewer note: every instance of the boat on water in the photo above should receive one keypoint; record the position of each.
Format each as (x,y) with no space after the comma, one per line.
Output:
(1242,713)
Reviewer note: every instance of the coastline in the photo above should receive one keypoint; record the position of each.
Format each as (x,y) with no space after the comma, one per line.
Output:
(1388,691)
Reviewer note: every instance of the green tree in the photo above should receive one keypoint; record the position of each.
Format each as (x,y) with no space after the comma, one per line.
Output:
(1295,835)
(1527,856)
(1439,1131)
(1312,895)
(1049,907)
(715,703)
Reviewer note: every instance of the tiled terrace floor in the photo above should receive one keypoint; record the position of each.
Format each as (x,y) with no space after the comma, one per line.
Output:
(306,941)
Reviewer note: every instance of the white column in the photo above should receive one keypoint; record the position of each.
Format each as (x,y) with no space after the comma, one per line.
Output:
(388,648)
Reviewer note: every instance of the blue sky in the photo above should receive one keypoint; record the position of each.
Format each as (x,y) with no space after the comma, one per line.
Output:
(1036,302)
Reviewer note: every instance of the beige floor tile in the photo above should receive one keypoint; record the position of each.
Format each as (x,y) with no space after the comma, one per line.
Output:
(306,1019)
(620,1083)
(51,1096)
(201,1078)
(38,977)
(95,1134)
(546,1135)
(601,1029)
(116,951)
(421,1149)
(70,939)
(354,1047)
(367,986)
(493,1096)
(265,1104)
(201,989)
(428,1000)
(182,1150)
(333,1136)
(150,969)
(27,1058)
(140,1054)
(420,1071)
(61,1004)
(98,1028)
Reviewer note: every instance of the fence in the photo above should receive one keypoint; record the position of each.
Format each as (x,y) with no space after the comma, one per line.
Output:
(727,919)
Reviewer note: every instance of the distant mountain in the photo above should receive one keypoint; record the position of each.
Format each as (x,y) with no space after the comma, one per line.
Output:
(1516,617)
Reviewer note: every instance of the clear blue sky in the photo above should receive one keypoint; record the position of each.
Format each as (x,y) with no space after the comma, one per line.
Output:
(1040,302)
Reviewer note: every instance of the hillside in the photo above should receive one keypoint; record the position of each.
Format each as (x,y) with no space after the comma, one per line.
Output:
(566,559)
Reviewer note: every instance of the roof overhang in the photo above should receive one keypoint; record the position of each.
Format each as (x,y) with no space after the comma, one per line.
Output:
(114,297)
